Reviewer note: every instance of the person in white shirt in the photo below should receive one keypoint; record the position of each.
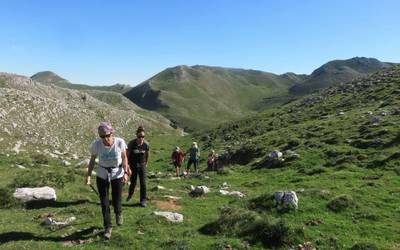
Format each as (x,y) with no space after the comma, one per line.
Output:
(112,168)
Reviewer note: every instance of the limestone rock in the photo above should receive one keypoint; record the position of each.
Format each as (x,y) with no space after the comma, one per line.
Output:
(170,216)
(31,194)
(288,198)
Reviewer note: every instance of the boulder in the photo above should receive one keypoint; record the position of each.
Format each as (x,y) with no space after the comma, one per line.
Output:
(232,193)
(199,190)
(288,198)
(34,194)
(275,154)
(170,216)
(49,221)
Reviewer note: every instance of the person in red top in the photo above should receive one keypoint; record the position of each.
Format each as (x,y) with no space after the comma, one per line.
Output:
(178,157)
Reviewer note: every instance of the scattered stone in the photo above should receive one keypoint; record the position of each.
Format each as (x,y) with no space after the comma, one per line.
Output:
(288,198)
(306,246)
(232,193)
(33,194)
(291,155)
(158,188)
(170,216)
(199,190)
(341,113)
(66,163)
(17,147)
(172,197)
(140,232)
(374,121)
(224,186)
(20,166)
(49,221)
(75,157)
(275,154)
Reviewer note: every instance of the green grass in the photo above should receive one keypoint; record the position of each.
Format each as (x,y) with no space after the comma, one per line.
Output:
(372,219)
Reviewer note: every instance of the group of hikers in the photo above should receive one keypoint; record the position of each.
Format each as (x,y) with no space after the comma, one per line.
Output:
(119,162)
(178,158)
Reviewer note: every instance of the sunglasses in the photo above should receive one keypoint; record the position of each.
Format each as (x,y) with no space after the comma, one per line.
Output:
(140,136)
(105,136)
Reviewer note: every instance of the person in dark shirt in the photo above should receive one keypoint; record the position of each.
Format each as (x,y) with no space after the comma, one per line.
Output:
(138,157)
(178,157)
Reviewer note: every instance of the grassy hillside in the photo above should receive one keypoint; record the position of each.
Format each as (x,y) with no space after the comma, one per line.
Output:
(346,176)
(200,96)
(338,71)
(48,77)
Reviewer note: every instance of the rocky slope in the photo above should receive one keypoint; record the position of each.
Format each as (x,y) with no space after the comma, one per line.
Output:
(338,71)
(38,117)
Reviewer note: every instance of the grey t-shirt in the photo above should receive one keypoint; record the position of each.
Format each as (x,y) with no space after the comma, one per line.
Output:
(109,157)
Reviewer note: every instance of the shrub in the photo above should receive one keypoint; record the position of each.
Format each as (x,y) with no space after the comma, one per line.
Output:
(341,203)
(6,199)
(271,232)
(364,246)
(40,159)
(175,244)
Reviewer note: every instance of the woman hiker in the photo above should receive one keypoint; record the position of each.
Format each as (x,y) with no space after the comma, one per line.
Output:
(138,157)
(112,168)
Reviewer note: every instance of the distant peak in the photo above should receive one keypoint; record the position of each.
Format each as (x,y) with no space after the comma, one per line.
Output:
(47,77)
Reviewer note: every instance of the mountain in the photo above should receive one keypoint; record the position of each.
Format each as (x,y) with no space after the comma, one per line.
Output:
(338,71)
(35,116)
(202,96)
(355,123)
(49,77)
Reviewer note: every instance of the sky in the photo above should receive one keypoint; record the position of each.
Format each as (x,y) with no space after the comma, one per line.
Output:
(107,42)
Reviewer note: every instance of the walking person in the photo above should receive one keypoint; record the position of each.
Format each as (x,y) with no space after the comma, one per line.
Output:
(138,157)
(211,161)
(194,156)
(178,157)
(112,169)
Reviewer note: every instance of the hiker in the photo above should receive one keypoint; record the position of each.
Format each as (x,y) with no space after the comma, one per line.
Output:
(210,161)
(138,157)
(194,156)
(112,168)
(178,157)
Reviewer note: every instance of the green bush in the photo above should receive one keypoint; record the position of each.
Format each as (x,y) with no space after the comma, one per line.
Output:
(6,199)
(341,202)
(271,232)
(39,178)
(364,246)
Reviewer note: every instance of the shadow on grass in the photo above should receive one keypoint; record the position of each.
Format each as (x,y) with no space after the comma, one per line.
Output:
(82,235)
(43,204)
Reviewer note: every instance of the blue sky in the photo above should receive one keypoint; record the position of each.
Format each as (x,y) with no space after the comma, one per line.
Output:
(108,42)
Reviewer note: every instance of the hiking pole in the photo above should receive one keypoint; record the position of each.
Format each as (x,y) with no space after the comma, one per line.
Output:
(94,189)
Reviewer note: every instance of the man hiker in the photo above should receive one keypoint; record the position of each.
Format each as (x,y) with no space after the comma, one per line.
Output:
(138,157)
(178,157)
(194,156)
(112,169)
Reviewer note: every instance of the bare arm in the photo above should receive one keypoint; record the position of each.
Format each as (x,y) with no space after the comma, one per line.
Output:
(90,168)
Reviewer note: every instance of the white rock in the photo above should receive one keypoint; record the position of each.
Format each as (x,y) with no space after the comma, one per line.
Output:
(232,193)
(49,221)
(75,157)
(66,163)
(199,190)
(158,188)
(17,147)
(172,197)
(39,193)
(275,154)
(287,198)
(170,216)
(20,166)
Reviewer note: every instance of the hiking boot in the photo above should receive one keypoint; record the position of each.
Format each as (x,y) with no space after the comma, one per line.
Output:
(107,233)
(143,204)
(119,219)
